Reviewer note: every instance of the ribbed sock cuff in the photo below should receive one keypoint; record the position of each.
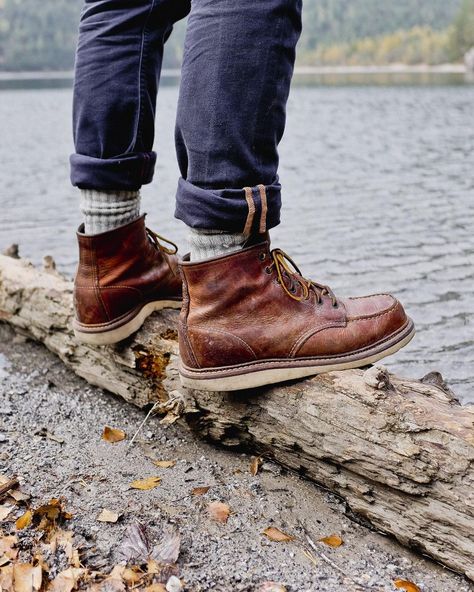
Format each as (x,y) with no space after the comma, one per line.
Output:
(106,210)
(212,243)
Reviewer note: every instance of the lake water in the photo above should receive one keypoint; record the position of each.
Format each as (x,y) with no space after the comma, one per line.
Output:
(378,177)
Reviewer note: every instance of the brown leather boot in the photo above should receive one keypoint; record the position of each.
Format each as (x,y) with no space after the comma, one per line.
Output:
(123,276)
(250,319)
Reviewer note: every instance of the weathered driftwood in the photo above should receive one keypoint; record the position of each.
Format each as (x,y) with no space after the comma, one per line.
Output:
(400,452)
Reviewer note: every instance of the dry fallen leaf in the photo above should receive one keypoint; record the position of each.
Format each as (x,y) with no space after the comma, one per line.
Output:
(131,576)
(200,490)
(135,545)
(155,588)
(25,520)
(145,484)
(255,465)
(167,551)
(108,516)
(332,541)
(6,578)
(406,585)
(67,580)
(18,495)
(113,435)
(271,587)
(114,581)
(7,547)
(64,539)
(51,513)
(164,464)
(218,511)
(26,578)
(276,535)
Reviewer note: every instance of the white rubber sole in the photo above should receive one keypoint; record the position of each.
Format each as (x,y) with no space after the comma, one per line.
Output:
(273,375)
(109,337)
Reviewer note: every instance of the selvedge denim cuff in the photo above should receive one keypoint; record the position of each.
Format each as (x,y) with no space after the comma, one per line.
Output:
(127,172)
(247,210)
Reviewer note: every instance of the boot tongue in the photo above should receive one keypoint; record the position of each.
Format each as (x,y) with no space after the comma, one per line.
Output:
(257,239)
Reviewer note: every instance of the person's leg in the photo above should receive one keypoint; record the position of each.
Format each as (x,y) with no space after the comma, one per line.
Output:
(118,64)
(238,64)
(249,317)
(124,272)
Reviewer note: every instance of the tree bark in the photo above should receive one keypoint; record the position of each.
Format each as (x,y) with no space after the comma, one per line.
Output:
(399,451)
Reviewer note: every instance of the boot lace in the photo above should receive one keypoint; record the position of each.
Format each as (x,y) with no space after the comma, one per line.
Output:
(287,269)
(156,238)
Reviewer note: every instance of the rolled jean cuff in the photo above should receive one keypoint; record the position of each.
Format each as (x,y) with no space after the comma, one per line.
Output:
(249,210)
(128,172)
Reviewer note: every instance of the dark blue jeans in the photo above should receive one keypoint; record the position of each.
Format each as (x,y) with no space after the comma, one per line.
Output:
(236,75)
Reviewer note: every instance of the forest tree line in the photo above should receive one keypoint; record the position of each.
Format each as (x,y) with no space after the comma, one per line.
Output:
(42,35)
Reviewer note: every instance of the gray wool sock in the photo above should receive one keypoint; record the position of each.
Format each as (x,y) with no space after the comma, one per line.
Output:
(106,210)
(212,243)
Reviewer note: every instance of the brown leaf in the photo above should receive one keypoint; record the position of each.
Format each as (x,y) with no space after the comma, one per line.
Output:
(276,535)
(108,516)
(255,465)
(218,511)
(130,576)
(7,547)
(332,541)
(167,551)
(113,435)
(155,588)
(200,490)
(271,587)
(406,585)
(145,484)
(135,545)
(26,578)
(6,578)
(164,464)
(114,581)
(25,520)
(67,580)
(18,495)
(52,510)
(63,538)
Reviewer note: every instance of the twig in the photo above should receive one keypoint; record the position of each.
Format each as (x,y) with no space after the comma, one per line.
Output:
(155,406)
(334,565)
(11,484)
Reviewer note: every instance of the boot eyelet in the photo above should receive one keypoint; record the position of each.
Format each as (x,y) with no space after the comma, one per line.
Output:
(268,270)
(262,256)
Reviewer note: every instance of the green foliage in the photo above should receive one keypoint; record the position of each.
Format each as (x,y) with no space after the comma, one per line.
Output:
(462,32)
(41,34)
(419,45)
(328,22)
(35,35)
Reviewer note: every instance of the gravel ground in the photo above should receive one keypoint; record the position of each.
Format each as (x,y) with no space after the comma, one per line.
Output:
(51,438)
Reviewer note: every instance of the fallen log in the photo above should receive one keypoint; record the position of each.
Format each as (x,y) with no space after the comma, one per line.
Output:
(399,451)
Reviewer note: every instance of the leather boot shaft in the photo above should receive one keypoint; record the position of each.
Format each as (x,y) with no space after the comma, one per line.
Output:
(121,270)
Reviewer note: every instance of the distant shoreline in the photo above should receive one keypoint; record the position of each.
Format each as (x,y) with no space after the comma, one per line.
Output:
(299,70)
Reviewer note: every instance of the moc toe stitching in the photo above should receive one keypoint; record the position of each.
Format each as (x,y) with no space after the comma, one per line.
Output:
(382,312)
